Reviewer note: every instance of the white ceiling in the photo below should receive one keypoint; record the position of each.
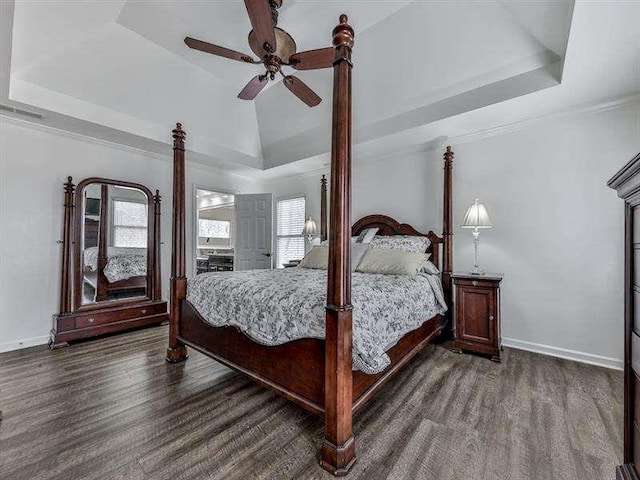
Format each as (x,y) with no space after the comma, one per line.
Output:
(119,70)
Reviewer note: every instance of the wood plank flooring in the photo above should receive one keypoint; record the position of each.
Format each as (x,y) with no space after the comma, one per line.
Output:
(113,409)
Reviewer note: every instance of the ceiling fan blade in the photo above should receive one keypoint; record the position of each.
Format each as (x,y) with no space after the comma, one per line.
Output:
(217,50)
(254,87)
(301,90)
(313,59)
(260,15)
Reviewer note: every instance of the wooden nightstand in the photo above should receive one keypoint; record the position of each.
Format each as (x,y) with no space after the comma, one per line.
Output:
(477,315)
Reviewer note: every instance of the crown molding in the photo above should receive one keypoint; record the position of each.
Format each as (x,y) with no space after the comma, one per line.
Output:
(575,111)
(360,159)
(168,158)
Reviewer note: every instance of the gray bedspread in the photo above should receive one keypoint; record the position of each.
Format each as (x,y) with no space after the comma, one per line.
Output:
(277,306)
(122,263)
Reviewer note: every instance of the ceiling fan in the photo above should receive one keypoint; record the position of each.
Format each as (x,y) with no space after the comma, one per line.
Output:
(276,48)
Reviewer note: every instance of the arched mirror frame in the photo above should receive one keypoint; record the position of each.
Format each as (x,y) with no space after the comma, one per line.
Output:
(76,320)
(151,293)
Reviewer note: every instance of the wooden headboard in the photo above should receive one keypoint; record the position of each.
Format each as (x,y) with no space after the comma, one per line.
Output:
(388,226)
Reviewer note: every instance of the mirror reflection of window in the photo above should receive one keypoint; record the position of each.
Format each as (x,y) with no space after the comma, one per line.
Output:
(129,224)
(214,228)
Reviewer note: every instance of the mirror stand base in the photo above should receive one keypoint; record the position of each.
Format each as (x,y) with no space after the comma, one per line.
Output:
(106,319)
(177,354)
(55,345)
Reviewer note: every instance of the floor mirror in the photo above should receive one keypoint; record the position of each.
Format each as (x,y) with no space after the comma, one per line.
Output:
(110,275)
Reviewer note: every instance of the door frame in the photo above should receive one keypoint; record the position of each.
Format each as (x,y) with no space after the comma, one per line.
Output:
(194,219)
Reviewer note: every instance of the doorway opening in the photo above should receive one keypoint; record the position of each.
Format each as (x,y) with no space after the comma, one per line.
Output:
(215,231)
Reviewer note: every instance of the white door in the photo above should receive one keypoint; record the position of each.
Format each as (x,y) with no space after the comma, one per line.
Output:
(253,231)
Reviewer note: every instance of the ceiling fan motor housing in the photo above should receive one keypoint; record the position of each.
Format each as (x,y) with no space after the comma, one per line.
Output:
(285,45)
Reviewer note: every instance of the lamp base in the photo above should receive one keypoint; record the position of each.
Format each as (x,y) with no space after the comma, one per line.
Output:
(477,271)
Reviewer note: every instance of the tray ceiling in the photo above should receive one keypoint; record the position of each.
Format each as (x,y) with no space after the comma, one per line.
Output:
(119,70)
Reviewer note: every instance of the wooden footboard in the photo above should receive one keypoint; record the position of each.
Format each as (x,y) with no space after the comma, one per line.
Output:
(295,369)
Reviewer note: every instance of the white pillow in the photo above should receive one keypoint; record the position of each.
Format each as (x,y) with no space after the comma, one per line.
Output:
(325,243)
(407,243)
(358,251)
(367,235)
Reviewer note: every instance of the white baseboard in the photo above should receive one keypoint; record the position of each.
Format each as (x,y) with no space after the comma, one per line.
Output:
(26,343)
(589,358)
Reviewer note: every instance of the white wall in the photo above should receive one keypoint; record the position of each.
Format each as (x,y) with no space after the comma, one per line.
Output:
(558,229)
(33,166)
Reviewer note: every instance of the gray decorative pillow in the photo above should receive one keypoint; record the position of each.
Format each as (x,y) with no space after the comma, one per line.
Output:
(406,243)
(367,235)
(318,257)
(392,262)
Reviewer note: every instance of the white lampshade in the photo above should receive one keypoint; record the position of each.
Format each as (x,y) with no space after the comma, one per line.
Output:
(310,228)
(477,216)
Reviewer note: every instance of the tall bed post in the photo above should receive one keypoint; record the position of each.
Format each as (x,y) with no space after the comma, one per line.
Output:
(65,278)
(447,235)
(338,446)
(323,208)
(157,279)
(177,351)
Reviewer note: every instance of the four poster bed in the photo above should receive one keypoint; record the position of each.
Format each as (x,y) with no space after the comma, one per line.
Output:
(316,373)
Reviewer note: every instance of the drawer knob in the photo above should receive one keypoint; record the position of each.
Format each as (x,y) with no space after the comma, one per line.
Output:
(144,311)
(91,320)
(474,283)
(490,317)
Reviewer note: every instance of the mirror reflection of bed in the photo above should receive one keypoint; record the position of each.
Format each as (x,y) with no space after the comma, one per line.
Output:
(115,238)
(215,231)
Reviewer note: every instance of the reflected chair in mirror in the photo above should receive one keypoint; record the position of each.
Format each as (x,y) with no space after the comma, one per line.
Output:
(110,275)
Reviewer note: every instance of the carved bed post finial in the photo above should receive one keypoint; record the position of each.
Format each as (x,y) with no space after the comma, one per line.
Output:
(177,351)
(323,208)
(178,137)
(65,280)
(338,447)
(447,234)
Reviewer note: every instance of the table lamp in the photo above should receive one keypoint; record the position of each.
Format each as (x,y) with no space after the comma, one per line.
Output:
(477,217)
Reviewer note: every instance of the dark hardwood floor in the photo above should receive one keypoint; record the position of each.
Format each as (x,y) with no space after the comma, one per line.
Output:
(113,409)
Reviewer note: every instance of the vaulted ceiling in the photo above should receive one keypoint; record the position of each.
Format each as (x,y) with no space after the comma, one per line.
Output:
(119,70)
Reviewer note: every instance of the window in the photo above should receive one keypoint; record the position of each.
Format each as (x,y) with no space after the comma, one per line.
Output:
(129,224)
(213,228)
(290,216)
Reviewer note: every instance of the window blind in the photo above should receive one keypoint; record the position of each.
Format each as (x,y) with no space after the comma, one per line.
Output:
(129,224)
(290,217)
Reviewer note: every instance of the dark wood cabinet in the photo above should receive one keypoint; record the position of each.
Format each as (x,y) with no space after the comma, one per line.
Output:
(477,314)
(627,184)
